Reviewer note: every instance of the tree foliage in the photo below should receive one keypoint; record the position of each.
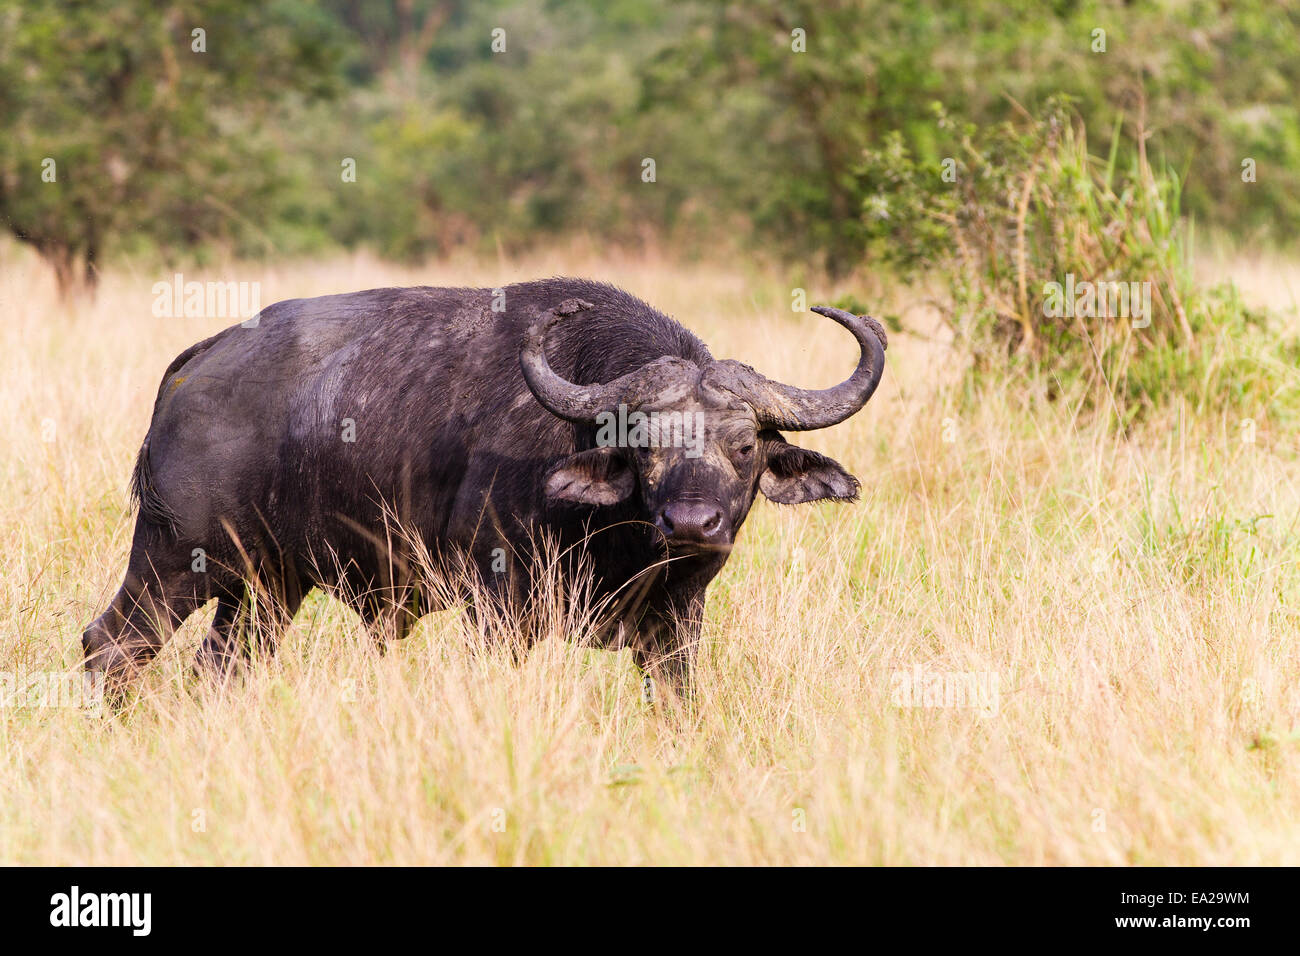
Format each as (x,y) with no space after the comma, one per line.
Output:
(756,115)
(122,126)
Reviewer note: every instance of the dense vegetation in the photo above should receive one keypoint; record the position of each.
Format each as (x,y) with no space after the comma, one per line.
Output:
(498,124)
(1071,265)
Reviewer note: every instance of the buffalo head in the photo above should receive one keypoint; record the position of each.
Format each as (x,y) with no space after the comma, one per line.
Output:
(695,443)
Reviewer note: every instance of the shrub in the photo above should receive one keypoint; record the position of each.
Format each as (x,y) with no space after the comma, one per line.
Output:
(1072,266)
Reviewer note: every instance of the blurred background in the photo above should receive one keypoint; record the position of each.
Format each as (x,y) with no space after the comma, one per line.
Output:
(193,130)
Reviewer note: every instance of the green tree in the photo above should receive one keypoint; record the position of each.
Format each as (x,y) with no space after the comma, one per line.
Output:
(129,121)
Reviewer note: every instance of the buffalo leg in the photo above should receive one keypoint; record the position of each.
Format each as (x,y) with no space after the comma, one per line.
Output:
(390,614)
(666,645)
(274,611)
(219,651)
(248,619)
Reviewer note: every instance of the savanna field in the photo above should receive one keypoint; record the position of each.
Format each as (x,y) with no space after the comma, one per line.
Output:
(1130,597)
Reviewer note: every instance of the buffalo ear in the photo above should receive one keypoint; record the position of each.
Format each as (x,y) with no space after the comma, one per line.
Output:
(794,475)
(600,476)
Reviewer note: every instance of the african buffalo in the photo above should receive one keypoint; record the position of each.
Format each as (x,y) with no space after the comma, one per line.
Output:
(281,450)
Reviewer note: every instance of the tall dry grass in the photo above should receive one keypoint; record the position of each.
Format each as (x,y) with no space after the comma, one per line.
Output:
(1137,601)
